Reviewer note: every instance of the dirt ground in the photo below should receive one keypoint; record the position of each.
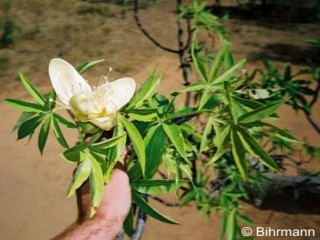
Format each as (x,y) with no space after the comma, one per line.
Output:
(32,187)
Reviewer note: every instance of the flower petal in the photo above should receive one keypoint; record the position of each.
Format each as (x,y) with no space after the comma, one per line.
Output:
(121,91)
(105,123)
(66,81)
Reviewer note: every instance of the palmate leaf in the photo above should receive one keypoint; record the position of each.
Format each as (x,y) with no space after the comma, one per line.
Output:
(232,225)
(101,159)
(81,174)
(74,154)
(28,127)
(176,138)
(193,87)
(155,187)
(188,197)
(254,148)
(102,146)
(115,152)
(25,106)
(204,98)
(146,208)
(25,116)
(222,140)
(260,113)
(228,60)
(154,142)
(218,60)
(64,121)
(238,153)
(197,61)
(57,133)
(228,73)
(146,91)
(44,133)
(137,141)
(206,131)
(185,112)
(251,104)
(142,115)
(88,64)
(96,183)
(32,89)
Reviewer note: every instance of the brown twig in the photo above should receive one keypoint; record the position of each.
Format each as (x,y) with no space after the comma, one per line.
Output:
(168,204)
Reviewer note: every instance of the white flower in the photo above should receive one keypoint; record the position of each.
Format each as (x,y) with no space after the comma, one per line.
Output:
(98,105)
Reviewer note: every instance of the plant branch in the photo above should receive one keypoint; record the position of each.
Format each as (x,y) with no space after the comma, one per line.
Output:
(183,63)
(168,204)
(138,23)
(141,222)
(316,95)
(309,117)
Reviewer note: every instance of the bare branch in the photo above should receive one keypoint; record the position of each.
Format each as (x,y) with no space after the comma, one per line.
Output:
(168,204)
(316,95)
(138,23)
(141,222)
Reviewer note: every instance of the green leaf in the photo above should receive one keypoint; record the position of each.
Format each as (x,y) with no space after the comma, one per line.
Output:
(25,106)
(28,127)
(244,219)
(252,104)
(230,102)
(107,143)
(115,152)
(254,148)
(260,112)
(229,73)
(218,60)
(228,60)
(81,174)
(188,197)
(207,130)
(212,102)
(193,87)
(201,70)
(284,133)
(142,115)
(88,64)
(154,143)
(155,187)
(222,141)
(237,109)
(238,153)
(137,141)
(44,133)
(176,138)
(146,208)
(231,225)
(146,90)
(25,116)
(223,226)
(74,154)
(32,90)
(57,132)
(50,99)
(128,223)
(205,96)
(101,159)
(96,183)
(185,112)
(64,121)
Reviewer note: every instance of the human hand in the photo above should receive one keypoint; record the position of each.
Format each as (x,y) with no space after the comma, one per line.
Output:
(109,217)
